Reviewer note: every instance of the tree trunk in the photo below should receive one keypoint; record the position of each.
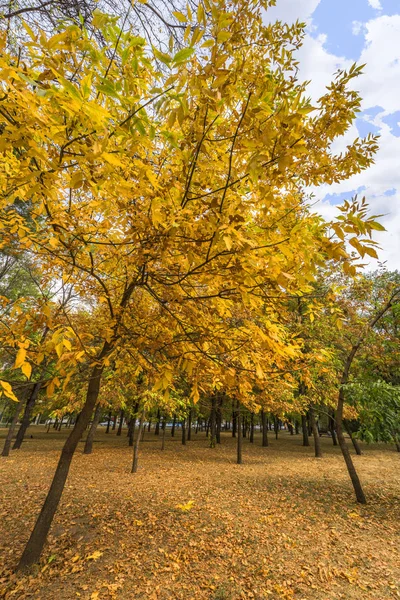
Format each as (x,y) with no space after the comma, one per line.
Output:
(173,426)
(121,420)
(114,422)
(189,431)
(264,429)
(239,435)
(27,416)
(88,449)
(163,427)
(353,439)
(252,428)
(35,544)
(234,419)
(345,451)
(213,421)
(149,426)
(332,427)
(184,432)
(157,427)
(11,429)
(304,428)
(317,441)
(132,424)
(108,422)
(136,448)
(276,427)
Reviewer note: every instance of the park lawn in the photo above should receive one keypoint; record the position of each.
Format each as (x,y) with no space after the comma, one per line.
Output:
(191,524)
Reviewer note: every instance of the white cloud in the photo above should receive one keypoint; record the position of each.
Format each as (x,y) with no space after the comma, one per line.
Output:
(379,86)
(356,27)
(375,4)
(292,10)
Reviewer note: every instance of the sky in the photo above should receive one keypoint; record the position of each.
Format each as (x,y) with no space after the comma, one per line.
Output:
(339,33)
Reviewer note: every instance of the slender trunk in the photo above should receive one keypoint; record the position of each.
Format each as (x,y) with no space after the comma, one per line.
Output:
(197,426)
(88,449)
(239,435)
(234,419)
(354,440)
(317,441)
(304,428)
(296,427)
(121,420)
(213,420)
(108,422)
(157,427)
(173,426)
(27,416)
(149,426)
(332,427)
(244,426)
(132,424)
(11,429)
(136,448)
(208,427)
(35,544)
(114,422)
(290,427)
(189,431)
(264,429)
(163,427)
(48,426)
(276,427)
(252,428)
(345,451)
(184,432)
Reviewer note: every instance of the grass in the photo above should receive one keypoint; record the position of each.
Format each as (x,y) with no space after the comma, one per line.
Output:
(282,525)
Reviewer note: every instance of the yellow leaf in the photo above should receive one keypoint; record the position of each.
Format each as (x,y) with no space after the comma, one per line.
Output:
(96,554)
(7,391)
(186,507)
(26,369)
(20,358)
(112,159)
(180,16)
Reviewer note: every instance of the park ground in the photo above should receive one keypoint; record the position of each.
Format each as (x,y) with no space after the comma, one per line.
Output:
(193,525)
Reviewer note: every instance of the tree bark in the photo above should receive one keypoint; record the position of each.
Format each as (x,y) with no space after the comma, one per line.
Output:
(213,421)
(136,448)
(354,440)
(173,426)
(234,419)
(108,422)
(317,440)
(189,431)
(264,429)
(88,449)
(332,427)
(239,435)
(252,428)
(27,416)
(11,429)
(157,427)
(359,492)
(184,432)
(163,427)
(121,420)
(304,428)
(35,544)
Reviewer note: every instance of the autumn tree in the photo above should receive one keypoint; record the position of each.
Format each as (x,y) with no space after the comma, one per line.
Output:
(169,197)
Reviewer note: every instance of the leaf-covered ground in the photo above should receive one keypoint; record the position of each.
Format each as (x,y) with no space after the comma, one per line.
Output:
(282,525)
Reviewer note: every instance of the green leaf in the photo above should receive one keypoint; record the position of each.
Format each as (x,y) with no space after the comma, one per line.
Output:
(183,55)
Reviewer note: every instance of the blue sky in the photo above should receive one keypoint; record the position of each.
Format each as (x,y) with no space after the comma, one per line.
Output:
(340,32)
